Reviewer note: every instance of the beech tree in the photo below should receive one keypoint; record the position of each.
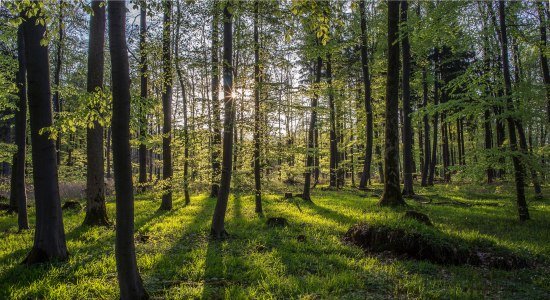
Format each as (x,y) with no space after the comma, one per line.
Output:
(392,192)
(129,280)
(49,235)
(218,220)
(96,212)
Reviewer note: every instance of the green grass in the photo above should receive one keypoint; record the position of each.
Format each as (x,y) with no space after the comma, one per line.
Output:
(179,261)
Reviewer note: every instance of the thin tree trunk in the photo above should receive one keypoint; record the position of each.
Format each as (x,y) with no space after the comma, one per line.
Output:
(433,160)
(333,137)
(306,195)
(130,283)
(18,195)
(96,212)
(49,235)
(57,74)
(519,168)
(218,220)
(216,122)
(543,58)
(143,94)
(426,121)
(392,192)
(167,108)
(407,127)
(185,120)
(365,175)
(257,90)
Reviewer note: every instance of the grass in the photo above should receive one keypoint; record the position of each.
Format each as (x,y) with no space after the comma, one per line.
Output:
(177,259)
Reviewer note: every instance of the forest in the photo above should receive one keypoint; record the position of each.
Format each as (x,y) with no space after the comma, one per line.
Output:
(274,149)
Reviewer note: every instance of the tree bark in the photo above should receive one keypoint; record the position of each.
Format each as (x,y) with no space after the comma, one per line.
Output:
(57,74)
(216,122)
(96,212)
(433,160)
(365,175)
(332,135)
(18,195)
(543,58)
(166,108)
(257,91)
(49,235)
(306,195)
(426,121)
(218,220)
(407,127)
(143,94)
(185,120)
(392,192)
(130,283)
(519,168)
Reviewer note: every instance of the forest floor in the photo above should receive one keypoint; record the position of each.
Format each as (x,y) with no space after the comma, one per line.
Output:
(306,259)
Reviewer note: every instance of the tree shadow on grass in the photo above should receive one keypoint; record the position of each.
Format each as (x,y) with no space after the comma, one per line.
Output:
(330,214)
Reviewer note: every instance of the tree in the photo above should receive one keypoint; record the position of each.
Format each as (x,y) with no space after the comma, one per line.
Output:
(306,195)
(166,108)
(130,284)
(543,56)
(257,117)
(218,227)
(18,193)
(392,192)
(184,102)
(57,73)
(143,93)
(332,132)
(96,212)
(426,121)
(407,127)
(365,175)
(519,168)
(49,236)
(216,123)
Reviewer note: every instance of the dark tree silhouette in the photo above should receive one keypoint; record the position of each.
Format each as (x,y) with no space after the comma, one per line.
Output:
(365,175)
(142,152)
(49,235)
(18,194)
(332,134)
(216,122)
(306,195)
(392,192)
(519,168)
(257,116)
(167,108)
(407,127)
(96,212)
(130,284)
(218,220)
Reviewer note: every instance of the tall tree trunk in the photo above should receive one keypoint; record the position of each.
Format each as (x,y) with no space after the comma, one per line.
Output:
(57,74)
(306,195)
(143,94)
(185,119)
(96,212)
(18,195)
(519,168)
(108,151)
(216,122)
(130,283)
(257,90)
(365,175)
(407,127)
(333,137)
(426,121)
(392,192)
(433,160)
(218,220)
(49,235)
(166,108)
(543,58)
